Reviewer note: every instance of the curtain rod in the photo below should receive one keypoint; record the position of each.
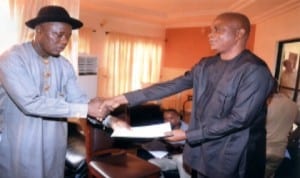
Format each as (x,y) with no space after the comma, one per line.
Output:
(150,37)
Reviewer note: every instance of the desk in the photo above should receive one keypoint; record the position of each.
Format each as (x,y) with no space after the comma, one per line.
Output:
(123,165)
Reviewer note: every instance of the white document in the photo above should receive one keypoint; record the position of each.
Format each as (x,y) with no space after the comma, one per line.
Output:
(151,131)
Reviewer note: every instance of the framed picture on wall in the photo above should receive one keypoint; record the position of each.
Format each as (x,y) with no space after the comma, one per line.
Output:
(288,68)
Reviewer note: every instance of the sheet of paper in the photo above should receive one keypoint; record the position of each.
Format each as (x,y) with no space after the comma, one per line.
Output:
(158,154)
(151,131)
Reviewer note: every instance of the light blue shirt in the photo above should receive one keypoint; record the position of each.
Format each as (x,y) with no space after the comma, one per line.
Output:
(35,95)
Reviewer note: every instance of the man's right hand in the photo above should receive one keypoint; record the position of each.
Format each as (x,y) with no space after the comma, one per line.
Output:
(93,107)
(109,104)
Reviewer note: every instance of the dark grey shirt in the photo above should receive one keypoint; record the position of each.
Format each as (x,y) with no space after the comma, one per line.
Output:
(227,125)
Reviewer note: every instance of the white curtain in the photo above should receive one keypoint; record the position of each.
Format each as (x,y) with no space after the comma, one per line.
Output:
(85,36)
(14,14)
(8,29)
(129,63)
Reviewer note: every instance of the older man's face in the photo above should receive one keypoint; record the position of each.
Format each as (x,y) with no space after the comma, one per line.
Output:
(53,37)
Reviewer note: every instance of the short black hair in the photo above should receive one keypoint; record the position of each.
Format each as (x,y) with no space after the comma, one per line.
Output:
(174,111)
(242,19)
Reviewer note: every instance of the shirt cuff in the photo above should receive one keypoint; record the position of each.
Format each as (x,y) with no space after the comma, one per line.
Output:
(195,136)
(79,110)
(107,121)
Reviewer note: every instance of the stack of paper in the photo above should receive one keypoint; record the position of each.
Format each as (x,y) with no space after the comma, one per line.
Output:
(152,131)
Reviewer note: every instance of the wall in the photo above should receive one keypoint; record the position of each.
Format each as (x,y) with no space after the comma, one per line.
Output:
(185,46)
(271,31)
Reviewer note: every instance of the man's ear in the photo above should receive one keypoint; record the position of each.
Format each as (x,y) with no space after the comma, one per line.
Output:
(241,33)
(38,29)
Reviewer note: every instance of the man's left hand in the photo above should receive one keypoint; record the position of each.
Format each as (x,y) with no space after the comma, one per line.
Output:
(175,135)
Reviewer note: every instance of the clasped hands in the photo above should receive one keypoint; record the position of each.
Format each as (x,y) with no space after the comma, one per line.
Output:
(99,108)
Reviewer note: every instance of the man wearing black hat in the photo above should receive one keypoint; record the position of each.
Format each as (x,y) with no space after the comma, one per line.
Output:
(38,90)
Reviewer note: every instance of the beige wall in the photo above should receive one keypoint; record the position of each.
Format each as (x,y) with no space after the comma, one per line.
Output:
(271,31)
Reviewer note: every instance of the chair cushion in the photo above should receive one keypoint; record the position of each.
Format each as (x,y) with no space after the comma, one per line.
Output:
(76,153)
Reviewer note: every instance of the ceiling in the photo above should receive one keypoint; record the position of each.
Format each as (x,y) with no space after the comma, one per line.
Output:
(178,13)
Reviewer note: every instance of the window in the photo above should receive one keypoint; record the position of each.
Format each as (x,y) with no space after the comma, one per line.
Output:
(129,63)
(288,68)
(8,27)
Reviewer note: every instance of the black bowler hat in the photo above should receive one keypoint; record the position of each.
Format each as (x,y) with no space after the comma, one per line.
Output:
(53,14)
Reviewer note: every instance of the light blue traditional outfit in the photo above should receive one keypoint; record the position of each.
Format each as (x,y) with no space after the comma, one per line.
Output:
(36,95)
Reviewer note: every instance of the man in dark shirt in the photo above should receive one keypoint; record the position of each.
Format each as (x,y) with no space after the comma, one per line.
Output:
(226,137)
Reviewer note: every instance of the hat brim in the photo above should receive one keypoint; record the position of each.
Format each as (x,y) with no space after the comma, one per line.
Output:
(73,22)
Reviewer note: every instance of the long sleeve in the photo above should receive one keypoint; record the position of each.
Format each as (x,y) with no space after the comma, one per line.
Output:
(160,90)
(22,78)
(238,111)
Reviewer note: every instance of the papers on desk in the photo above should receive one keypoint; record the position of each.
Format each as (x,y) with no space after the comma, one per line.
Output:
(152,131)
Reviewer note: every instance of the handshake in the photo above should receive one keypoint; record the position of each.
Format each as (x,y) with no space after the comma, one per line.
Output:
(99,108)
